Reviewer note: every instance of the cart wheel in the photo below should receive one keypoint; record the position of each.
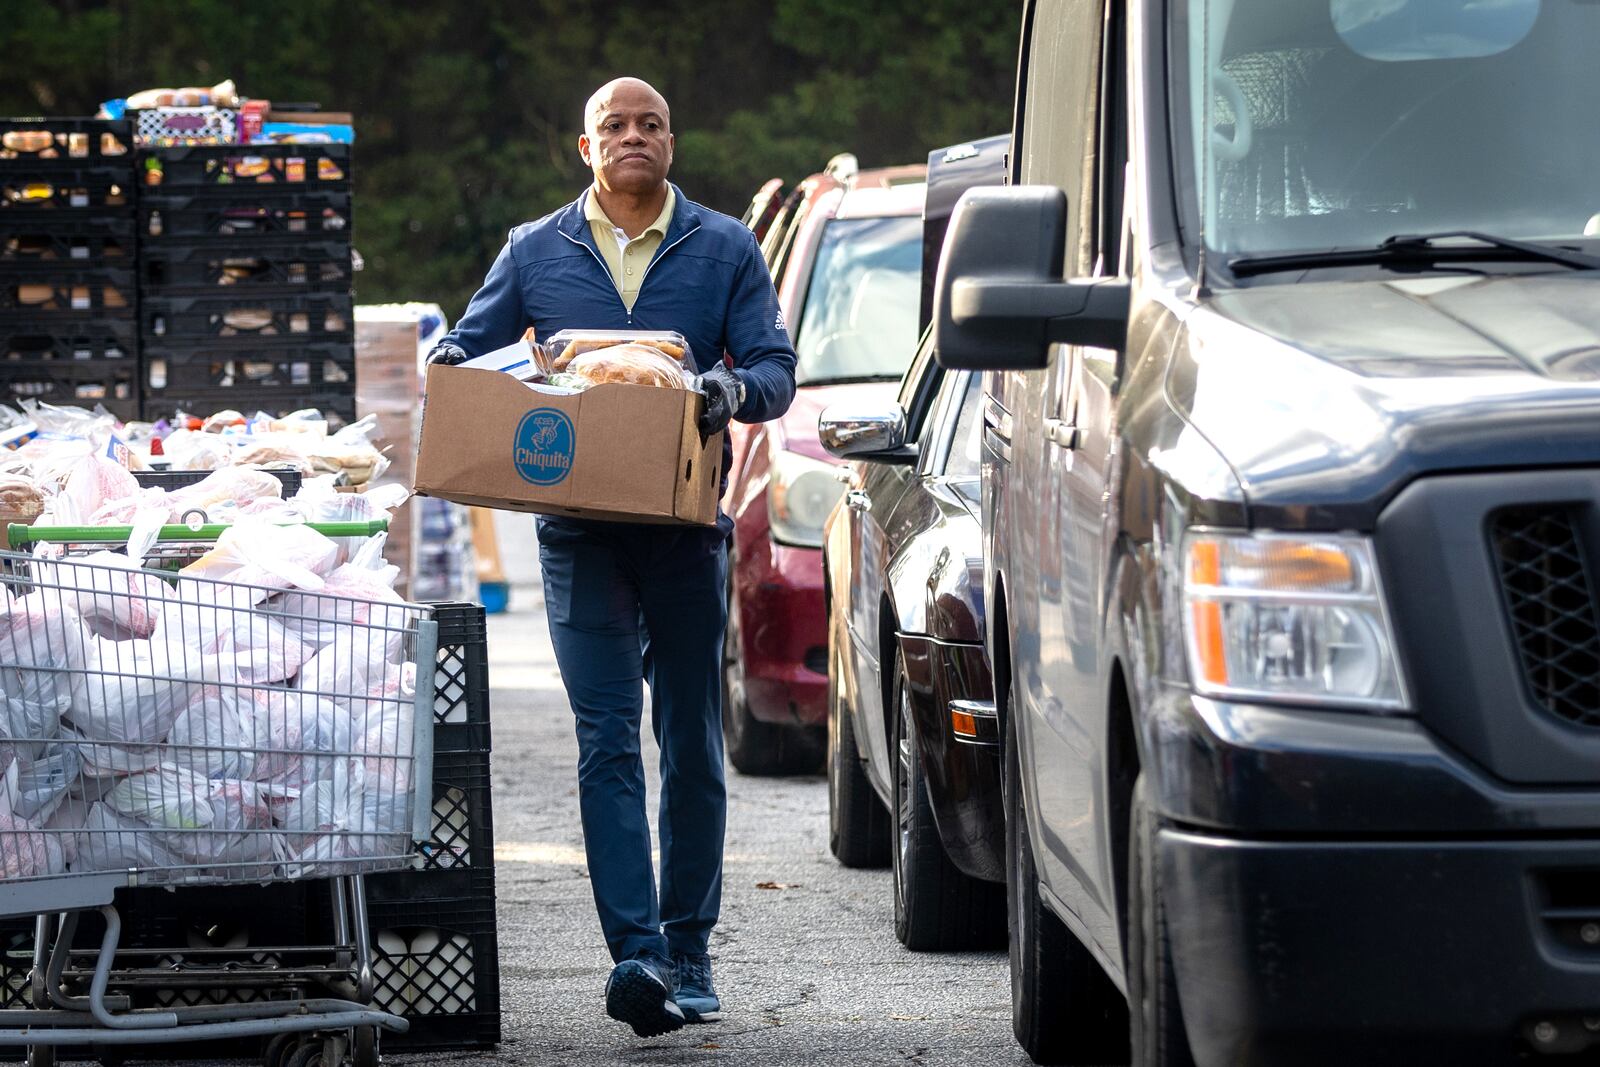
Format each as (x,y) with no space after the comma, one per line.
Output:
(281,1049)
(364,1047)
(41,1056)
(307,1055)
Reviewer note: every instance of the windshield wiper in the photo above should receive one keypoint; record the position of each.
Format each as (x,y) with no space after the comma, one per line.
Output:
(1419,250)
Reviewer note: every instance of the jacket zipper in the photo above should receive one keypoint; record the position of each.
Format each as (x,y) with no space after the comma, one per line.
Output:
(658,258)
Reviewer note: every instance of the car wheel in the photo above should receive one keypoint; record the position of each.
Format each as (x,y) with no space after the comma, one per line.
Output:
(936,907)
(1063,1007)
(1158,1036)
(858,824)
(755,747)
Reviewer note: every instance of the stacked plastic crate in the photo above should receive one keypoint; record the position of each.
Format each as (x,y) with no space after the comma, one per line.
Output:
(246,278)
(433,927)
(68,288)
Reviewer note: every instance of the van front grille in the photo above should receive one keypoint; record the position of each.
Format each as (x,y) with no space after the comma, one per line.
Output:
(1551,604)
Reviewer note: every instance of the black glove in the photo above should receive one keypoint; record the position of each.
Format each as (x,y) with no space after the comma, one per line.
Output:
(447,355)
(724,394)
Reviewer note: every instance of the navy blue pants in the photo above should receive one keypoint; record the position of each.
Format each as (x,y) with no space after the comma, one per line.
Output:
(628,605)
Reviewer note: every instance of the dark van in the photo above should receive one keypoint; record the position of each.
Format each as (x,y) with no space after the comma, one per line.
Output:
(1291,501)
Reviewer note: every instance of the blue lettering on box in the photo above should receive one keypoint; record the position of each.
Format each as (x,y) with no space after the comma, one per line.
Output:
(542,450)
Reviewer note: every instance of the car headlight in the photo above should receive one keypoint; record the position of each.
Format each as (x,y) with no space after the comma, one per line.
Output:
(800,495)
(1288,618)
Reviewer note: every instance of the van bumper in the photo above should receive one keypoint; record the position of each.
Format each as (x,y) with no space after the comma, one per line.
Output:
(1379,952)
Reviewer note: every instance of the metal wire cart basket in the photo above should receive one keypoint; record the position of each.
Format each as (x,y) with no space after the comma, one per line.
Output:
(162,728)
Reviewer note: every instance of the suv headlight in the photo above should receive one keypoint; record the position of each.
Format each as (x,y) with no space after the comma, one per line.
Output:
(1288,618)
(800,495)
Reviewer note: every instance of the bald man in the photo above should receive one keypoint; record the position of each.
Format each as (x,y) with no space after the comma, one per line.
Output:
(629,604)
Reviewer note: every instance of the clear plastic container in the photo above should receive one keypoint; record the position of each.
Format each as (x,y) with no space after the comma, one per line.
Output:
(563,347)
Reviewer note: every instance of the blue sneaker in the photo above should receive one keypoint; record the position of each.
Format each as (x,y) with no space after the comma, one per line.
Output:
(639,993)
(694,992)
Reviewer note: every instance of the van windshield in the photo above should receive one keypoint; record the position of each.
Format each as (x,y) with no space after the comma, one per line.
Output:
(860,316)
(1332,124)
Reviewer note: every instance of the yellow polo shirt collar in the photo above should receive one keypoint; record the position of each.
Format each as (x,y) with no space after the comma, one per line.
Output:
(626,259)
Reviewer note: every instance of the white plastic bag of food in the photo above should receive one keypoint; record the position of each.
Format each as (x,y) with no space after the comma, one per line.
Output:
(41,645)
(105,760)
(95,481)
(261,650)
(190,450)
(131,691)
(361,592)
(230,486)
(168,796)
(42,784)
(240,832)
(260,554)
(210,738)
(26,849)
(278,722)
(111,591)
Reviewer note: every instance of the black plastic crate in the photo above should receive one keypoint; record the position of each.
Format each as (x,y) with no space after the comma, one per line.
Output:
(463,835)
(170,480)
(79,191)
(340,408)
(270,266)
(229,170)
(461,680)
(436,961)
(43,145)
(82,383)
(38,339)
(327,366)
(244,320)
(69,290)
(260,212)
(44,244)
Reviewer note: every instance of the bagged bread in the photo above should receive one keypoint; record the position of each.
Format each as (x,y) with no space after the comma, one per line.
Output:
(632,364)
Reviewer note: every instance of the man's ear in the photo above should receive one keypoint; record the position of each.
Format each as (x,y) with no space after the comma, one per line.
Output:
(583,149)
(672,144)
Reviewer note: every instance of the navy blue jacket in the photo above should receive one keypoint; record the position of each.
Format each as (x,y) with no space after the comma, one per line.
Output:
(708,281)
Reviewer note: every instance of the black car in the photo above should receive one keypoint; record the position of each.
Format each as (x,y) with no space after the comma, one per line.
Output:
(1291,505)
(914,767)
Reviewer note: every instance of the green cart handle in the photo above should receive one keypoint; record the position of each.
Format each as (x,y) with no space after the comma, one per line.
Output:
(18,534)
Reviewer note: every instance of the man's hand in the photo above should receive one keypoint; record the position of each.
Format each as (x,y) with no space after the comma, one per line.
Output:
(447,355)
(724,394)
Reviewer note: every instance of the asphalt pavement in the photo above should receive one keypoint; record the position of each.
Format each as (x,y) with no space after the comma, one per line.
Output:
(806,961)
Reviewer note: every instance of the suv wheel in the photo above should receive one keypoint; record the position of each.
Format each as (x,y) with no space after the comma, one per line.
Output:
(858,825)
(1063,1007)
(936,907)
(1158,1035)
(755,747)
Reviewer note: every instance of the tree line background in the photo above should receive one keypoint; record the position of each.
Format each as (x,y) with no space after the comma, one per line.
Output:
(467,112)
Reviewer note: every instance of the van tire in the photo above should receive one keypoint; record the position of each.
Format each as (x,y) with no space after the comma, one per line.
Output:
(1157,1032)
(1063,1007)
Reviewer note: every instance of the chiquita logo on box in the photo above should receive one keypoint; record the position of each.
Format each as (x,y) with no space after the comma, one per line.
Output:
(542,452)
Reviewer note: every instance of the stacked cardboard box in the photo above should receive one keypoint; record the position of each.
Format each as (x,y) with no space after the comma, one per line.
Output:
(390,341)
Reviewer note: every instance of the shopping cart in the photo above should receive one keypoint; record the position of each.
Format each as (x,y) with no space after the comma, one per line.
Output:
(163,729)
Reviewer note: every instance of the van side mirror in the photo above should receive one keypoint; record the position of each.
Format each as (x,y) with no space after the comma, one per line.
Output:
(1000,300)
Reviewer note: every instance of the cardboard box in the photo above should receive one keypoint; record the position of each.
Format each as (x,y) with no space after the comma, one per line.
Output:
(624,453)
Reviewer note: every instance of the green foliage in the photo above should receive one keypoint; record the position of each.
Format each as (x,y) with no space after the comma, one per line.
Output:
(467,114)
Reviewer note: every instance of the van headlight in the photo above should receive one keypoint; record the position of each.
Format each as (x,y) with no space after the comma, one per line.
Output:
(1292,618)
(801,494)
